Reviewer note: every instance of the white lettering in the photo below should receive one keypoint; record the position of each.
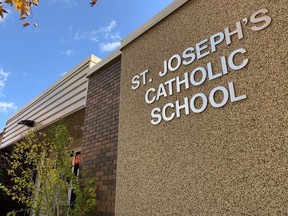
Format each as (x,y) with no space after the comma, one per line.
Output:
(212,96)
(204,103)
(215,42)
(231,59)
(200,48)
(135,82)
(237,31)
(203,78)
(180,82)
(161,91)
(171,105)
(188,53)
(156,115)
(265,19)
(178,62)
(233,98)
(147,100)
(161,74)
(184,106)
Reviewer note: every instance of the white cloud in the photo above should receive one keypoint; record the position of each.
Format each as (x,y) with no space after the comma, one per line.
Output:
(107,37)
(64,73)
(66,2)
(77,35)
(85,35)
(108,28)
(69,52)
(70,29)
(107,31)
(3,78)
(115,36)
(5,106)
(107,47)
(96,35)
(93,36)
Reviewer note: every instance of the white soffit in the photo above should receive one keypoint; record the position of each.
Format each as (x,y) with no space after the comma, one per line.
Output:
(63,98)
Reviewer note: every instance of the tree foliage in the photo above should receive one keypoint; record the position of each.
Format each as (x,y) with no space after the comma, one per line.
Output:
(1,182)
(40,168)
(24,7)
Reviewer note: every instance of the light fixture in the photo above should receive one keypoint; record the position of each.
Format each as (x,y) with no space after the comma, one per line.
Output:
(78,128)
(28,123)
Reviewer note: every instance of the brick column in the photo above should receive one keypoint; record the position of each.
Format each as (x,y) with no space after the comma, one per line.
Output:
(99,150)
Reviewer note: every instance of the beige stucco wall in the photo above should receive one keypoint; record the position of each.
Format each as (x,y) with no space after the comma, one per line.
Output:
(224,161)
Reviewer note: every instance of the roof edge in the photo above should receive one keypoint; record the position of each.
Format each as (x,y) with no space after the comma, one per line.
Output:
(134,35)
(152,22)
(89,61)
(103,62)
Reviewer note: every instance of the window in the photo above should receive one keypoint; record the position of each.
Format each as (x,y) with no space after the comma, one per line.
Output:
(75,157)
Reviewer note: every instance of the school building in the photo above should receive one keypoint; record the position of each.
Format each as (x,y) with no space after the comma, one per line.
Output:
(188,117)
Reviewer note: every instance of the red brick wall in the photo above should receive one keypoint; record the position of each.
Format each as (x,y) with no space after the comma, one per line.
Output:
(99,149)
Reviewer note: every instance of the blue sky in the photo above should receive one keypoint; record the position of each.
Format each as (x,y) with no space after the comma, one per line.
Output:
(31,59)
